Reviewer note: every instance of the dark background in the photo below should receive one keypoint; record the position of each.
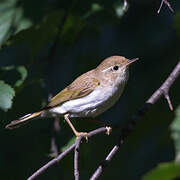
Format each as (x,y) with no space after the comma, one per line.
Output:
(65,39)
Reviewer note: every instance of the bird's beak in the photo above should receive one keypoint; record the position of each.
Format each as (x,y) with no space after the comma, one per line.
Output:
(130,61)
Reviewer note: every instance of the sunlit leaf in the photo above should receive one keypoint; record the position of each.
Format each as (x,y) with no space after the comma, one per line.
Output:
(175,133)
(19,77)
(11,19)
(95,7)
(7,9)
(22,70)
(121,8)
(6,95)
(164,171)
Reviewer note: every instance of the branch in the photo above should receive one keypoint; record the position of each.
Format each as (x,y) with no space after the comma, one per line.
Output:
(104,163)
(52,162)
(55,130)
(167,3)
(76,155)
(162,91)
(125,5)
(61,156)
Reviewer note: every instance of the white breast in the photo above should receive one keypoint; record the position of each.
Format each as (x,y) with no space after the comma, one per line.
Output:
(91,105)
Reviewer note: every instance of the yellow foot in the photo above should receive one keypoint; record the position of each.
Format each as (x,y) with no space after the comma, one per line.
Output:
(109,130)
(83,134)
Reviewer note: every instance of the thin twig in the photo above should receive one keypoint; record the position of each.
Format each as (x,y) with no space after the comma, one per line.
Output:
(167,3)
(76,157)
(104,163)
(61,156)
(125,5)
(55,130)
(52,162)
(163,90)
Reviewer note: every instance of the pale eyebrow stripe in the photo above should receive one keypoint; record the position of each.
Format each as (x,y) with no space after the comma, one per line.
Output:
(106,69)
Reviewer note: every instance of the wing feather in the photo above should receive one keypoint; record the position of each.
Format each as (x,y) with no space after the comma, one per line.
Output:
(79,88)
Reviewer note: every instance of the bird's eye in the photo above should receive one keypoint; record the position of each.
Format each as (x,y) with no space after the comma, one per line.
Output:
(115,68)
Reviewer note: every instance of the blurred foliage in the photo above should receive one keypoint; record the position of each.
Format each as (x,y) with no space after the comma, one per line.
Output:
(45,44)
(170,170)
(12,19)
(177,25)
(165,171)
(175,128)
(44,32)
(19,72)
(70,142)
(6,95)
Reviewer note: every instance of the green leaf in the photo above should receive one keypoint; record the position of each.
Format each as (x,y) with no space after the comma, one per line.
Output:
(11,20)
(22,70)
(7,9)
(175,133)
(95,7)
(121,9)
(69,143)
(18,77)
(164,171)
(6,95)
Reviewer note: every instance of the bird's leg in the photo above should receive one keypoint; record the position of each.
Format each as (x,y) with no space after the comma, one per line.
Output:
(77,134)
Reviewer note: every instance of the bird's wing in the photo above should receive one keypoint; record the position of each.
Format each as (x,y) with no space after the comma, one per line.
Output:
(79,88)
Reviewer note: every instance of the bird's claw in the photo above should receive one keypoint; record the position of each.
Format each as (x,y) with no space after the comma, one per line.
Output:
(109,130)
(82,134)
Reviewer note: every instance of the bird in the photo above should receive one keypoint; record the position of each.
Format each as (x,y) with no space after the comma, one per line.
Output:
(89,95)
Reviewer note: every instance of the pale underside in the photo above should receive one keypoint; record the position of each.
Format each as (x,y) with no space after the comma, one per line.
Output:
(91,105)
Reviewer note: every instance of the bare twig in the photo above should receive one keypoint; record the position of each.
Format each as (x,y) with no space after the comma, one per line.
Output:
(76,156)
(52,162)
(167,3)
(163,90)
(125,5)
(104,163)
(169,101)
(61,156)
(55,130)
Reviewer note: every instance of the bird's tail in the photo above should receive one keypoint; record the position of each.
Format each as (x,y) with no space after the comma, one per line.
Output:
(23,120)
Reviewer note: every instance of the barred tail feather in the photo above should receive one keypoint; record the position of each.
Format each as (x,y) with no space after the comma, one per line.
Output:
(23,120)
